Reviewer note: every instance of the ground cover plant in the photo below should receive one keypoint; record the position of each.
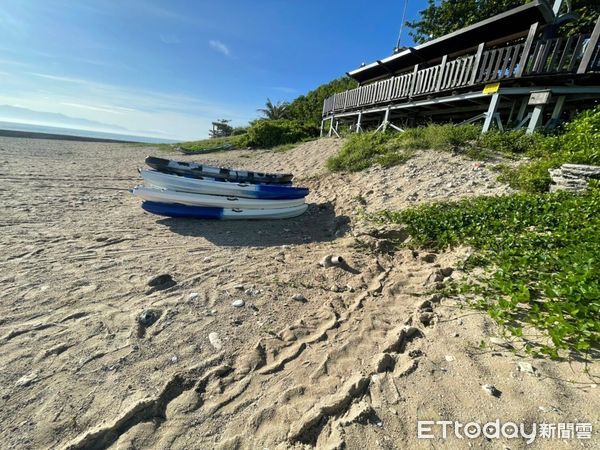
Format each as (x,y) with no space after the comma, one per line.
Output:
(541,255)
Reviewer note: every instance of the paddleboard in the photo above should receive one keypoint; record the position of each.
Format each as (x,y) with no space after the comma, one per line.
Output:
(187,198)
(195,170)
(203,212)
(199,186)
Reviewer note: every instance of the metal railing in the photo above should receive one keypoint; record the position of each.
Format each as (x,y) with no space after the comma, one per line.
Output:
(547,56)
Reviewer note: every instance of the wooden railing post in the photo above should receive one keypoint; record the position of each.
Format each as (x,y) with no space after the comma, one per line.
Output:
(527,49)
(413,81)
(590,49)
(476,63)
(438,83)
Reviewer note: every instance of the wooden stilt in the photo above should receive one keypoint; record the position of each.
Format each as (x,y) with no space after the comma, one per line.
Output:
(522,109)
(536,118)
(386,119)
(512,111)
(358,123)
(322,125)
(489,115)
(556,112)
(335,128)
(560,102)
(396,128)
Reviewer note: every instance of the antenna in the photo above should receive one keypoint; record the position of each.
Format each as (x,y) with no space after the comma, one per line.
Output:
(397,49)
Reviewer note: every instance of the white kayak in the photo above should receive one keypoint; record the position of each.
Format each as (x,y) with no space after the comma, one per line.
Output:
(190,199)
(227,188)
(207,212)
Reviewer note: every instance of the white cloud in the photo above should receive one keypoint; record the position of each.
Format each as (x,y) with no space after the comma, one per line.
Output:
(220,47)
(169,39)
(103,108)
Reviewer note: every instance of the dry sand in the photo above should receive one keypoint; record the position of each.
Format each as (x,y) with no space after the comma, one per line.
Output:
(342,368)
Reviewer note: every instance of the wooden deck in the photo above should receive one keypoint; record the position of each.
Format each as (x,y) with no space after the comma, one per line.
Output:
(527,61)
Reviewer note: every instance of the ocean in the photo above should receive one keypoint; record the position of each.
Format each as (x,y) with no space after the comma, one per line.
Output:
(60,131)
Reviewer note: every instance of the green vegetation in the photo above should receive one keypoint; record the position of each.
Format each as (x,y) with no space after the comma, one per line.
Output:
(283,123)
(272,133)
(220,129)
(579,142)
(540,250)
(307,109)
(542,254)
(440,18)
(365,149)
(275,111)
(203,145)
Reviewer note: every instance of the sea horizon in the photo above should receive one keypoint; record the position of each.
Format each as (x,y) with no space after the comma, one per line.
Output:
(80,132)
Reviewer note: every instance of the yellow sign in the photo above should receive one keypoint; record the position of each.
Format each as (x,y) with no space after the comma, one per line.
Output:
(491,88)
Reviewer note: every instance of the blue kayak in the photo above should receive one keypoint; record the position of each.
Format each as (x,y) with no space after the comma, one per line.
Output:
(207,212)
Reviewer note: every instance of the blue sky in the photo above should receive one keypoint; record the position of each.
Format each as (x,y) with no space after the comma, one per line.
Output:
(168,68)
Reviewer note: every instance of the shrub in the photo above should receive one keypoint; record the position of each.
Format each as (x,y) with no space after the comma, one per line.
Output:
(439,137)
(513,141)
(579,144)
(271,133)
(360,151)
(237,131)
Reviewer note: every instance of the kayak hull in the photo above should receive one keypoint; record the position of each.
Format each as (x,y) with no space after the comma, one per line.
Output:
(212,213)
(218,201)
(201,186)
(195,170)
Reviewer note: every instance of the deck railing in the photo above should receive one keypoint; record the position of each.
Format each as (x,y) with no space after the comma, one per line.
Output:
(561,55)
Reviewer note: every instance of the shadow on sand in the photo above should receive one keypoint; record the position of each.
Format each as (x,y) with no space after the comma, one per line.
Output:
(318,224)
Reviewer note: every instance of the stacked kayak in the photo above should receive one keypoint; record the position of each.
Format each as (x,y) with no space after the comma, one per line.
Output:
(182,189)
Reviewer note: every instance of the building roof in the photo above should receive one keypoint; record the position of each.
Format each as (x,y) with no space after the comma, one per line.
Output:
(505,24)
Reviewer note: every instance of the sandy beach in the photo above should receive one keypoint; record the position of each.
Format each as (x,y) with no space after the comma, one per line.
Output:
(337,357)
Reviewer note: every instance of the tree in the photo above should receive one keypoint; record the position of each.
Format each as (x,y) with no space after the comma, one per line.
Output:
(275,111)
(308,108)
(221,128)
(587,12)
(450,15)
